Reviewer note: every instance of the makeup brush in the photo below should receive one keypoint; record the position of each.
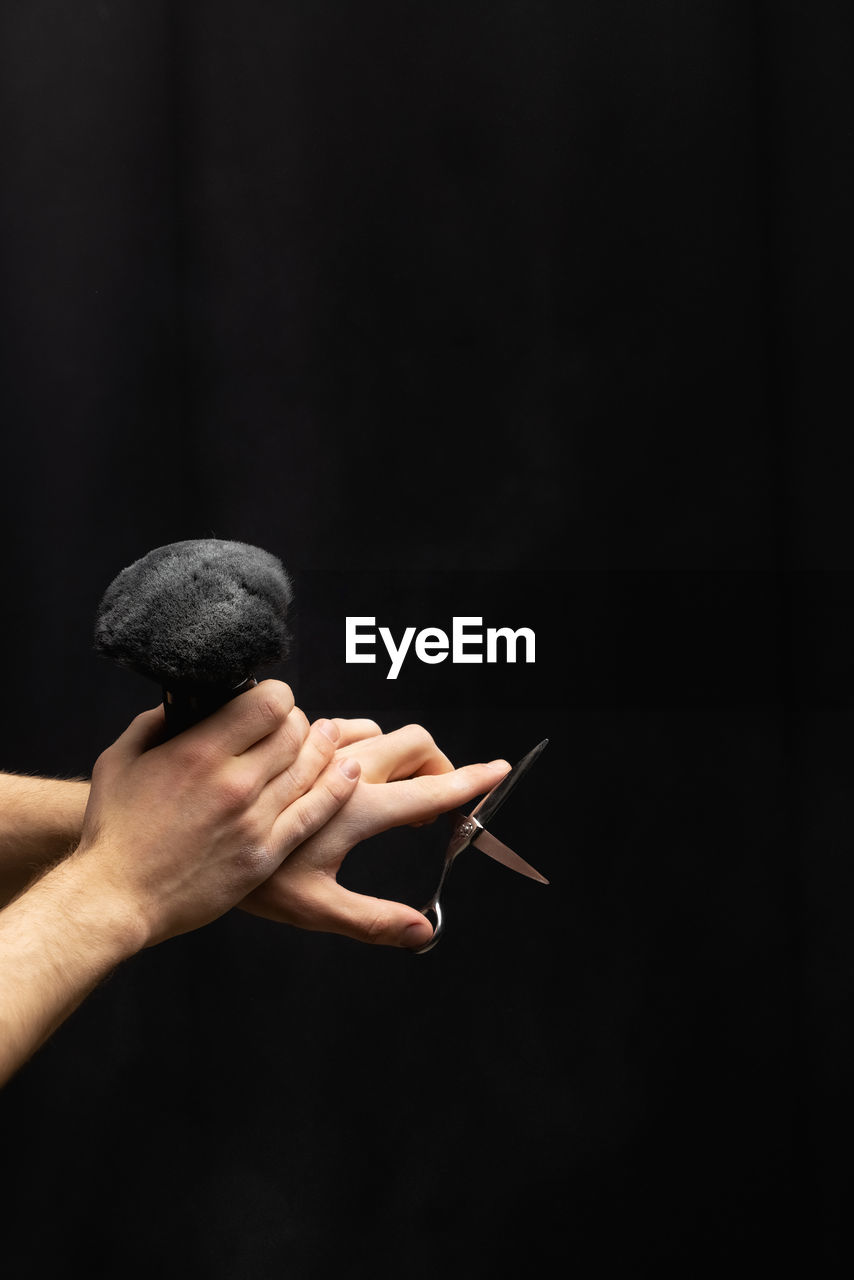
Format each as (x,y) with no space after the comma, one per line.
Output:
(199,617)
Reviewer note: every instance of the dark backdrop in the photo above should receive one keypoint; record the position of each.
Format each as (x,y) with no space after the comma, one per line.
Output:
(530,311)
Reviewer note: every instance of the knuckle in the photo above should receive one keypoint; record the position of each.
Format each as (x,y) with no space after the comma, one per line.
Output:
(195,754)
(276,700)
(439,792)
(235,790)
(418,734)
(298,725)
(254,861)
(316,807)
(335,787)
(293,780)
(377,930)
(325,799)
(320,737)
(363,727)
(302,823)
(290,749)
(457,791)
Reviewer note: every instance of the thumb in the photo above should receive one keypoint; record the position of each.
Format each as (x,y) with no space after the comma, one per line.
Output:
(357,915)
(145,731)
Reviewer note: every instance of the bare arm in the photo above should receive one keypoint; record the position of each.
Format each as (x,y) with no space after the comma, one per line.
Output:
(175,834)
(40,822)
(57,942)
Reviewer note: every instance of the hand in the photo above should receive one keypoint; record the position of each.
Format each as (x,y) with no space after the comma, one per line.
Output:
(405,779)
(180,831)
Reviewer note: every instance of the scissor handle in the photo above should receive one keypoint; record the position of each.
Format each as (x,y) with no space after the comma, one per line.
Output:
(433,912)
(461,837)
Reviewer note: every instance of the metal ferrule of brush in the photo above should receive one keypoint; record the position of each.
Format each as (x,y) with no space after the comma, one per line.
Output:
(186,705)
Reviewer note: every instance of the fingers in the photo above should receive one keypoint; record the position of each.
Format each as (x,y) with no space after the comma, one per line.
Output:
(355,730)
(319,903)
(246,719)
(259,742)
(311,810)
(419,800)
(375,920)
(276,752)
(404,753)
(143,732)
(231,730)
(292,759)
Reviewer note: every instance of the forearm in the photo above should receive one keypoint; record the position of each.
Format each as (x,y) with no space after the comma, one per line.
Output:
(57,942)
(40,821)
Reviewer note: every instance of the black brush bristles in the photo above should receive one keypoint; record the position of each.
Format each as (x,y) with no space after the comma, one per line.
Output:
(197,616)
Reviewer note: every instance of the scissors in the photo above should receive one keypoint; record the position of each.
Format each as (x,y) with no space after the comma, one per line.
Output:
(471,829)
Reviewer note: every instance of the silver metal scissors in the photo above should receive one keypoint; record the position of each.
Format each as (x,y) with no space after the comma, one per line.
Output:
(470,829)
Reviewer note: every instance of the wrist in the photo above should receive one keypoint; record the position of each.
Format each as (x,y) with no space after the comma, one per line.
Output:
(40,823)
(103,915)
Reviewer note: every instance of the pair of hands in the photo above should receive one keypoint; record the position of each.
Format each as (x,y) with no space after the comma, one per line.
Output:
(256,807)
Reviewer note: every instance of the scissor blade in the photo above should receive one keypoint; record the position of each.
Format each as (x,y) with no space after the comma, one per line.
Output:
(492,802)
(493,848)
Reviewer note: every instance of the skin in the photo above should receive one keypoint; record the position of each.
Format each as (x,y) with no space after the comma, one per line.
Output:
(175,833)
(40,823)
(404,779)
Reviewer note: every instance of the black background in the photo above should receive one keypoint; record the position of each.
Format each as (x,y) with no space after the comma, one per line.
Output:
(535,311)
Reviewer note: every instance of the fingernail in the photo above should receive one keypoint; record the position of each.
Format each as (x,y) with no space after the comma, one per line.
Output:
(415,935)
(499,764)
(329,730)
(349,767)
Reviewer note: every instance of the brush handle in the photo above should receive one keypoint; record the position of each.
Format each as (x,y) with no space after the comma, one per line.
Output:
(187,705)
